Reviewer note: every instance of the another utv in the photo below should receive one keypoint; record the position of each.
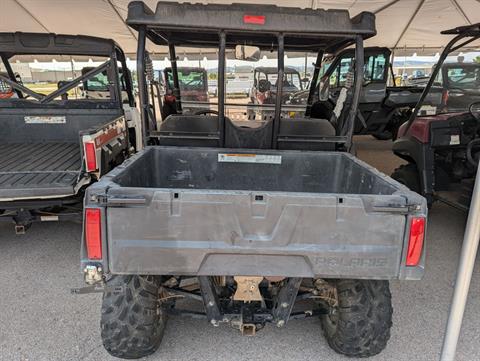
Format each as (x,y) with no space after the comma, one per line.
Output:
(382,108)
(260,223)
(265,83)
(442,143)
(193,88)
(52,145)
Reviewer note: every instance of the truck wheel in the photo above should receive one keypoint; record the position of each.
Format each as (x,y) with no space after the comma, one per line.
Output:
(359,325)
(407,174)
(132,320)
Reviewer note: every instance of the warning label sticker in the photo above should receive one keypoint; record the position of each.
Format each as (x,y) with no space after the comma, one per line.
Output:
(45,119)
(250,158)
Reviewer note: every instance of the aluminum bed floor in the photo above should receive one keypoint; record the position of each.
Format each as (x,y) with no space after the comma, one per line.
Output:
(38,170)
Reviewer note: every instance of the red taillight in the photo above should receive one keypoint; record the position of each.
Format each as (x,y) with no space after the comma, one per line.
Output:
(90,156)
(254,19)
(93,233)
(445,96)
(170,98)
(415,241)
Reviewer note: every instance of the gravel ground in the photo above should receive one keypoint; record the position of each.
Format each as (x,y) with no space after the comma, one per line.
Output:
(41,320)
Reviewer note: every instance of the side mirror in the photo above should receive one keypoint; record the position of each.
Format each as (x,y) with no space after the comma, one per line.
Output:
(248,53)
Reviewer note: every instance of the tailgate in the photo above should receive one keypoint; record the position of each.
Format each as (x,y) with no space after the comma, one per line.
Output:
(197,232)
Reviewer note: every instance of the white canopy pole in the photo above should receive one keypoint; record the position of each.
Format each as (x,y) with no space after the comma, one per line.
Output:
(464,275)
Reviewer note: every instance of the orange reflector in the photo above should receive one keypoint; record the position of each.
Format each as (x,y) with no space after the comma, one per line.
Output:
(90,156)
(254,19)
(93,233)
(415,241)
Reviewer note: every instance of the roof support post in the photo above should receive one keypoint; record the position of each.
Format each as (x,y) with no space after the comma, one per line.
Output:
(11,74)
(278,96)
(432,78)
(313,82)
(464,275)
(142,82)
(357,88)
(221,87)
(176,82)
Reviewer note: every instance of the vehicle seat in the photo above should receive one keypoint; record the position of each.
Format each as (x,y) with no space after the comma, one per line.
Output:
(189,130)
(322,109)
(292,128)
(264,85)
(190,123)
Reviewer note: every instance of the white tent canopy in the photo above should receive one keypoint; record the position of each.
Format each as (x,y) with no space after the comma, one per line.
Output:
(409,26)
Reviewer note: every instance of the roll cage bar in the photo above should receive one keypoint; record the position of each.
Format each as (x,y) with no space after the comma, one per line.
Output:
(470,33)
(53,44)
(226,26)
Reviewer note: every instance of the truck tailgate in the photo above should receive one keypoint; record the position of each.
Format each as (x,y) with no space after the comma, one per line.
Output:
(217,233)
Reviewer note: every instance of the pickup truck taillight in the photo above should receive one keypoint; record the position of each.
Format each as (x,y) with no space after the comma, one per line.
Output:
(93,233)
(415,241)
(90,156)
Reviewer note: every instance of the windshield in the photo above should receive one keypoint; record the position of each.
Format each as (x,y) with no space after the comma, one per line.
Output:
(250,86)
(457,83)
(40,81)
(463,76)
(188,79)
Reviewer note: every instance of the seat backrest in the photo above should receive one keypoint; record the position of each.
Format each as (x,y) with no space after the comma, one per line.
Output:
(292,130)
(190,123)
(190,130)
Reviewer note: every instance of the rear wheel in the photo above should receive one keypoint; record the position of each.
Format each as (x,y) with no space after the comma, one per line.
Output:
(132,320)
(359,324)
(407,174)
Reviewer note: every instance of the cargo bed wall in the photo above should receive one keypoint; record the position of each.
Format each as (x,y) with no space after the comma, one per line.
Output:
(37,125)
(185,211)
(189,168)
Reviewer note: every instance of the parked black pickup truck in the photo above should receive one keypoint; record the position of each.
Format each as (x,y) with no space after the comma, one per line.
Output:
(382,109)
(53,145)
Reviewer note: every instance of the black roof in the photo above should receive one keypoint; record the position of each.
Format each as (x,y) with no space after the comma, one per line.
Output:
(199,25)
(19,43)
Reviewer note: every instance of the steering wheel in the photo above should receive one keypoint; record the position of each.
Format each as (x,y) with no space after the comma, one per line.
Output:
(206,111)
(474,110)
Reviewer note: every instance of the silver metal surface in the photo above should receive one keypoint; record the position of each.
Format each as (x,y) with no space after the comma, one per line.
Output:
(335,217)
(464,275)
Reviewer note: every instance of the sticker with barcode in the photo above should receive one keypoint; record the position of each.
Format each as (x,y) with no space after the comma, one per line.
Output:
(249,158)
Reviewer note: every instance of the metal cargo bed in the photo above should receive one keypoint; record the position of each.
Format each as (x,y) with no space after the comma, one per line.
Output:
(211,211)
(39,170)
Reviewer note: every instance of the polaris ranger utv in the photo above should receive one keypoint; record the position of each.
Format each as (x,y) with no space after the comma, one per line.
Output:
(53,145)
(381,109)
(251,220)
(442,143)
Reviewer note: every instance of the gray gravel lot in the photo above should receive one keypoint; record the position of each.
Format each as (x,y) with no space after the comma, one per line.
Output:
(41,320)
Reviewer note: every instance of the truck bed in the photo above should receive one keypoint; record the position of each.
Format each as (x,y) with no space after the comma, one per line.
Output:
(38,170)
(211,211)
